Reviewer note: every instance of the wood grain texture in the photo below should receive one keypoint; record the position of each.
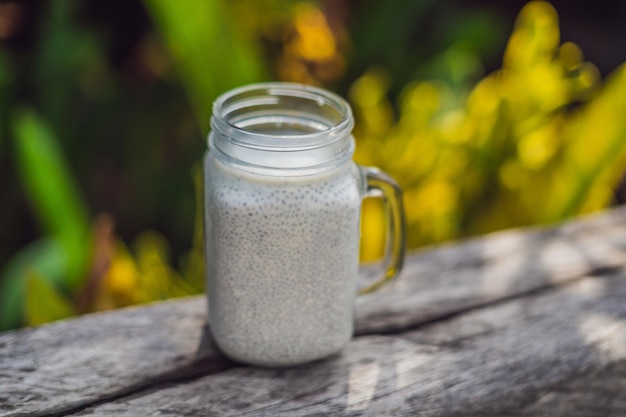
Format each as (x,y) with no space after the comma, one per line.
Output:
(480,363)
(471,293)
(597,393)
(453,278)
(67,364)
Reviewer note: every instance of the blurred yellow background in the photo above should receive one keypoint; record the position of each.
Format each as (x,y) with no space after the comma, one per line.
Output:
(486,121)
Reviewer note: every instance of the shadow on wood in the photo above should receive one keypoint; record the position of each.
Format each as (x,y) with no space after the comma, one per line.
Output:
(512,324)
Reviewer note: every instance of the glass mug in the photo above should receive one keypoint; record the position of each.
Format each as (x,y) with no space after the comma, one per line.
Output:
(282,202)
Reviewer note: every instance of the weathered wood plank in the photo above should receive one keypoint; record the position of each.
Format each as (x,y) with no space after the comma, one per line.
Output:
(477,364)
(458,277)
(67,365)
(596,394)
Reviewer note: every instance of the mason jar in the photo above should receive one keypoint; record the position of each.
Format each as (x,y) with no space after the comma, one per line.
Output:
(282,204)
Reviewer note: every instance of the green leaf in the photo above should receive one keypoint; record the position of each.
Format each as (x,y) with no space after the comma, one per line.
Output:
(52,192)
(596,151)
(44,303)
(211,55)
(47,258)
(457,67)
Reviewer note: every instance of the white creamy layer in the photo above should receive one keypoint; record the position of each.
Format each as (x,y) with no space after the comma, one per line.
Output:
(282,260)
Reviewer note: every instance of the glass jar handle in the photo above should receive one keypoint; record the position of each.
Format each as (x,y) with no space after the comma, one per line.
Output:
(380,184)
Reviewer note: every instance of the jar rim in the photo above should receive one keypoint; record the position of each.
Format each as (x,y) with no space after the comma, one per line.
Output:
(269,93)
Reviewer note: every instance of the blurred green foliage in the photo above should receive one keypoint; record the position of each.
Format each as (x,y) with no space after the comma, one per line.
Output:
(51,188)
(61,258)
(106,152)
(211,55)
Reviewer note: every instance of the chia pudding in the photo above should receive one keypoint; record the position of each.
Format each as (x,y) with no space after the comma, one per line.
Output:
(282,260)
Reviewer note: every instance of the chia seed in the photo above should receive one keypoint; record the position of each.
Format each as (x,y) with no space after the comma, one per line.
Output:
(282,260)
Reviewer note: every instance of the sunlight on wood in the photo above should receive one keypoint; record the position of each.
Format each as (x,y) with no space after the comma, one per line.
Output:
(504,273)
(362,385)
(600,330)
(405,369)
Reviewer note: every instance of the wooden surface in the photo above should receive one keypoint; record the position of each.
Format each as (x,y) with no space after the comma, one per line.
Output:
(520,323)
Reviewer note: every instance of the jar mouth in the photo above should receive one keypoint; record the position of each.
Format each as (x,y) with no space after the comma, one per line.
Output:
(280,115)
